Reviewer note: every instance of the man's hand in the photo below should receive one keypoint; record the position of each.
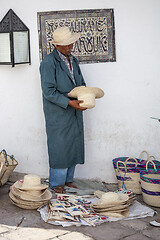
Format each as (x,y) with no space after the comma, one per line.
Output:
(75,104)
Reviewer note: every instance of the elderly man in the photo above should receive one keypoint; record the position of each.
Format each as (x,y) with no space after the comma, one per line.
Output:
(60,73)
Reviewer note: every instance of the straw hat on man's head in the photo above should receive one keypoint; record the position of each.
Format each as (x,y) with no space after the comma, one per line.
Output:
(63,36)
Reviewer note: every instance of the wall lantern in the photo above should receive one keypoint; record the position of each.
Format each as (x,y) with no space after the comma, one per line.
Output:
(14,40)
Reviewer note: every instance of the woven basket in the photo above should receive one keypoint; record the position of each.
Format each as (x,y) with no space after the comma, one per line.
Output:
(127,171)
(150,185)
(7,165)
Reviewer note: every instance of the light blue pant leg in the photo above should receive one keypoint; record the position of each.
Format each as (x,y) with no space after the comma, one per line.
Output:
(70,174)
(58,177)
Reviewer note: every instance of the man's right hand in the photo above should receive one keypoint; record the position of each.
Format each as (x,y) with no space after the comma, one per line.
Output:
(75,104)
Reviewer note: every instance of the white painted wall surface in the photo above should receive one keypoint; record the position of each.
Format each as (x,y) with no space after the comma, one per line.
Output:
(120,124)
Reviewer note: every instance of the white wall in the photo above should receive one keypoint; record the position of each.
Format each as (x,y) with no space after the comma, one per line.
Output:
(120,124)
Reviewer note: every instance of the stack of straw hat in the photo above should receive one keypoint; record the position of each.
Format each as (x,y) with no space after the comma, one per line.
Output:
(112,204)
(29,193)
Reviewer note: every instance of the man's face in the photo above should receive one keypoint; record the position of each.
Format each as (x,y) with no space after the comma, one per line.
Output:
(65,50)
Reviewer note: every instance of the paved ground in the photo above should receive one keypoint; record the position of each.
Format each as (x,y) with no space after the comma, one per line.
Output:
(34,228)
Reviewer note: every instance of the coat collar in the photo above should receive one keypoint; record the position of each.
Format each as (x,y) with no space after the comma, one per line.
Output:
(63,65)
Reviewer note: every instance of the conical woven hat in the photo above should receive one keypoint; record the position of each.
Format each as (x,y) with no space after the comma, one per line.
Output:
(30,182)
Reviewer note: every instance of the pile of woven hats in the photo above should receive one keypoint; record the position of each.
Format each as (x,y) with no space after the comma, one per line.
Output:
(112,204)
(29,193)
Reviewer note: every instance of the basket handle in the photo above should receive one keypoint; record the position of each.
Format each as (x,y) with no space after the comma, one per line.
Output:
(149,158)
(1,166)
(122,163)
(5,156)
(150,161)
(123,184)
(136,162)
(144,151)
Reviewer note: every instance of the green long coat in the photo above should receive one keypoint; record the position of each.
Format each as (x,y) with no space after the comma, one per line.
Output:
(64,124)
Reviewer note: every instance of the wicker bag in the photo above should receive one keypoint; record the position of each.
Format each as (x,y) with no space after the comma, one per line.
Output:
(127,171)
(150,185)
(7,165)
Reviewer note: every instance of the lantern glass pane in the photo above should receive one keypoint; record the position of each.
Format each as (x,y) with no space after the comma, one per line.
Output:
(5,52)
(21,47)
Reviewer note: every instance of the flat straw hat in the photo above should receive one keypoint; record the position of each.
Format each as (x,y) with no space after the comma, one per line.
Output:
(30,182)
(24,206)
(35,196)
(118,208)
(87,95)
(63,36)
(27,203)
(115,214)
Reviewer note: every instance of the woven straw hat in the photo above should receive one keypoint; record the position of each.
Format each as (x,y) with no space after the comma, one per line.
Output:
(87,95)
(112,204)
(63,36)
(111,199)
(100,207)
(35,196)
(27,203)
(122,214)
(30,182)
(25,206)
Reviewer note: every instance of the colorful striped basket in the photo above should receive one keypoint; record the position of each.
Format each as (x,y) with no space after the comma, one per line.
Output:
(150,185)
(127,172)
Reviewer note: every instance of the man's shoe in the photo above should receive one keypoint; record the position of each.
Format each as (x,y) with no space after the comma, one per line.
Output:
(155,223)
